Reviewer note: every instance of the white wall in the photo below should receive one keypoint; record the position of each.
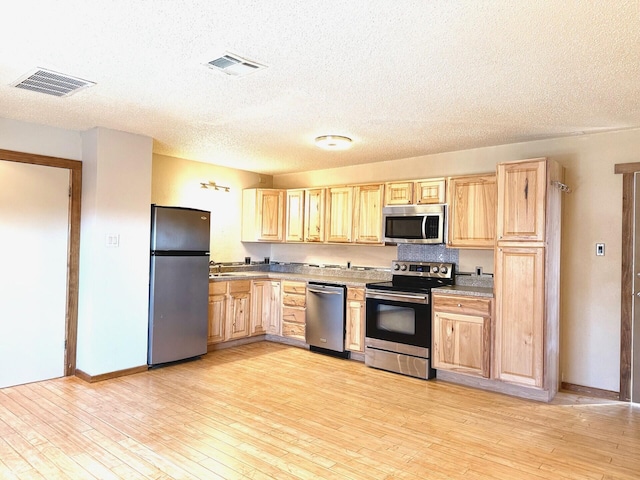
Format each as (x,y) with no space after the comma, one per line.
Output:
(39,139)
(114,281)
(590,285)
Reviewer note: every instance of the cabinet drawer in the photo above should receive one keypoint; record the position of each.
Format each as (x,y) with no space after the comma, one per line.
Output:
(294,300)
(294,287)
(293,315)
(295,330)
(356,294)
(463,304)
(240,286)
(217,288)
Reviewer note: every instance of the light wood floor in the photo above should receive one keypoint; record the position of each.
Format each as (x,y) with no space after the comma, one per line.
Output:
(267,410)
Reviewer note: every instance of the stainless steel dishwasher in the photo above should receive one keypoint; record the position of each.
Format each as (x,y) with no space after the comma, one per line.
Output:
(325,328)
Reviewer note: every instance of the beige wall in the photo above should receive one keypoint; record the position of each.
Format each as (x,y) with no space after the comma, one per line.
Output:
(176,182)
(590,306)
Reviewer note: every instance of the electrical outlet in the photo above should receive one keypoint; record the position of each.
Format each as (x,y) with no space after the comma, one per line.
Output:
(600,249)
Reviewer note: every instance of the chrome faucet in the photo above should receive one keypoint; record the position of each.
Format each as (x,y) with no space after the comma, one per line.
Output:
(215,267)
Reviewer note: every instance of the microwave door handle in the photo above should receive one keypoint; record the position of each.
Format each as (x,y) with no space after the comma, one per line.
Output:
(424,226)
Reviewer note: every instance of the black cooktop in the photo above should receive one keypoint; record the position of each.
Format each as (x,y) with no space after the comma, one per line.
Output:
(417,277)
(422,285)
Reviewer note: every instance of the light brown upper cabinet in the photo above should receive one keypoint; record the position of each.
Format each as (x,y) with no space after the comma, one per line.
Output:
(430,191)
(418,192)
(314,217)
(521,209)
(368,213)
(262,215)
(339,214)
(398,193)
(472,211)
(294,224)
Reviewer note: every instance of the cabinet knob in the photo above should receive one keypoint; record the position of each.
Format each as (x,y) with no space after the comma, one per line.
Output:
(459,305)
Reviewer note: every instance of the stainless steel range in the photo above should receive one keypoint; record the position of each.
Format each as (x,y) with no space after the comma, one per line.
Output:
(398,317)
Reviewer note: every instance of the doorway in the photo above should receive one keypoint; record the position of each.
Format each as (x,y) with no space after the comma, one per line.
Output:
(40,221)
(630,284)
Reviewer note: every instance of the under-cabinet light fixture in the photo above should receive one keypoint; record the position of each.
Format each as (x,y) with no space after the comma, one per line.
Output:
(333,142)
(214,185)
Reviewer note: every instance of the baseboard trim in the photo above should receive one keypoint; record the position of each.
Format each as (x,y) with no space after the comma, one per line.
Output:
(106,376)
(590,391)
(212,347)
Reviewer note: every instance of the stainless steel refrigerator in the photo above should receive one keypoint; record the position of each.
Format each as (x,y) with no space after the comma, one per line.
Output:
(178,284)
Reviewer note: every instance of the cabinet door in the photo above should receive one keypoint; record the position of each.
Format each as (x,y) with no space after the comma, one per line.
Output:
(238,315)
(398,193)
(354,336)
(519,336)
(461,343)
(368,214)
(217,316)
(270,215)
(273,323)
(521,203)
(262,215)
(314,215)
(430,191)
(265,307)
(260,306)
(339,214)
(472,211)
(294,230)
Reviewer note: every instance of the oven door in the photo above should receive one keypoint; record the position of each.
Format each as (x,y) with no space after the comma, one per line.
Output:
(399,317)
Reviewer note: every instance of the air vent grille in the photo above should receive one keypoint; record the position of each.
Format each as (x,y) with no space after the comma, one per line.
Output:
(52,83)
(232,64)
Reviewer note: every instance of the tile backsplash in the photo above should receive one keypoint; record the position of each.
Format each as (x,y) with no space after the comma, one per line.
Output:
(427,253)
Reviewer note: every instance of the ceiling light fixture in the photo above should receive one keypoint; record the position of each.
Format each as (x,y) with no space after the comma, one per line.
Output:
(333,142)
(214,185)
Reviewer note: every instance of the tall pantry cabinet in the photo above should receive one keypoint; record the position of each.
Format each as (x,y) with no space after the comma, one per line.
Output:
(527,276)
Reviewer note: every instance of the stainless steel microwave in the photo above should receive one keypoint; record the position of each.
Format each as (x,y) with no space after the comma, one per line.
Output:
(414,224)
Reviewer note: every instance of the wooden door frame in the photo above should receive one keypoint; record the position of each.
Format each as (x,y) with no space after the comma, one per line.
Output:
(73,248)
(628,171)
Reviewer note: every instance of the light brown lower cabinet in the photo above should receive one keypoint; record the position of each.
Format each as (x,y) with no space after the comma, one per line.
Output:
(461,334)
(265,307)
(229,310)
(217,312)
(520,319)
(354,321)
(238,309)
(294,309)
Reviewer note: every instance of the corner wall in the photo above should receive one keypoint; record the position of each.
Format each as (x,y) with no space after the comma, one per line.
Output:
(114,281)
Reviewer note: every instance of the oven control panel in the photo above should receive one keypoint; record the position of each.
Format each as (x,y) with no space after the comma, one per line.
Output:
(422,269)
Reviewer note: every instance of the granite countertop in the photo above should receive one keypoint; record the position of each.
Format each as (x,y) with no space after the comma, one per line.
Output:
(301,277)
(468,290)
(466,284)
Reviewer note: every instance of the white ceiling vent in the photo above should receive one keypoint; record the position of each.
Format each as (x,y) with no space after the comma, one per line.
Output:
(51,83)
(232,64)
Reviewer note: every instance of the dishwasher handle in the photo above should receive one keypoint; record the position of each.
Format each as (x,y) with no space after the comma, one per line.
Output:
(324,291)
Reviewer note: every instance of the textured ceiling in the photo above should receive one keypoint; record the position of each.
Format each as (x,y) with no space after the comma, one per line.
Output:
(402,78)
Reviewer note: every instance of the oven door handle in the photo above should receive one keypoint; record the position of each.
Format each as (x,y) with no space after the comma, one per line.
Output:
(410,298)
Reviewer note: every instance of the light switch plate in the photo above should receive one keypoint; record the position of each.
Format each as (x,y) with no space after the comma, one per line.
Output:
(112,240)
(600,249)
